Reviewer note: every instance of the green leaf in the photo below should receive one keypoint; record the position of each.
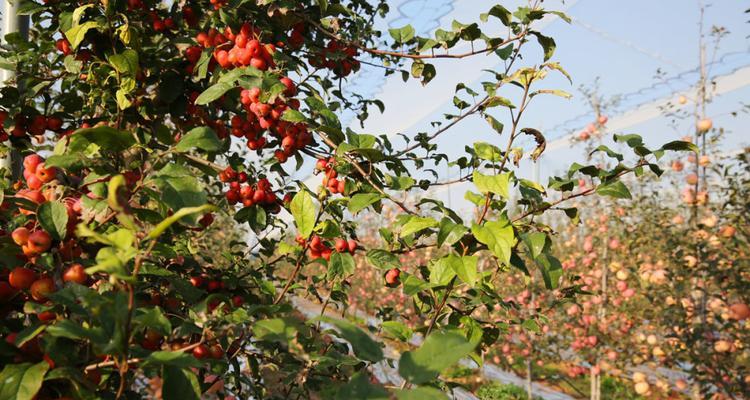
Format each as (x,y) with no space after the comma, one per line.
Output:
(304,211)
(179,359)
(403,34)
(547,43)
(255,216)
(125,62)
(680,145)
(340,265)
(535,242)
(442,271)
(360,201)
(213,93)
(498,236)
(531,325)
(497,184)
(611,153)
(91,140)
(53,217)
(415,224)
(495,124)
(153,318)
(22,381)
(495,101)
(76,34)
(202,137)
(500,13)
(363,346)
(413,285)
(183,212)
(421,393)
(115,187)
(277,329)
(555,92)
(466,268)
(400,182)
(292,115)
(631,140)
(383,259)
(360,388)
(438,352)
(557,67)
(615,189)
(450,232)
(179,186)
(397,330)
(179,384)
(551,269)
(78,13)
(488,152)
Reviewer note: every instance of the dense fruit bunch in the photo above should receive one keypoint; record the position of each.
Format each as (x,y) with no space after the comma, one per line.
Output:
(319,248)
(32,124)
(249,194)
(331,180)
(339,58)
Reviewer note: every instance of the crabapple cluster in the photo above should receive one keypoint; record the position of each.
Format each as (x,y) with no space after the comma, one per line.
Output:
(330,179)
(24,125)
(214,285)
(261,117)
(244,48)
(320,249)
(263,111)
(248,194)
(161,24)
(337,57)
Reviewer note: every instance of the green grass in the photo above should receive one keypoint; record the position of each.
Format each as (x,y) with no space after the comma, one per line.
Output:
(499,391)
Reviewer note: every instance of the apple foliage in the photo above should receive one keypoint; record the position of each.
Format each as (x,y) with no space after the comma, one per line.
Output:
(146,124)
